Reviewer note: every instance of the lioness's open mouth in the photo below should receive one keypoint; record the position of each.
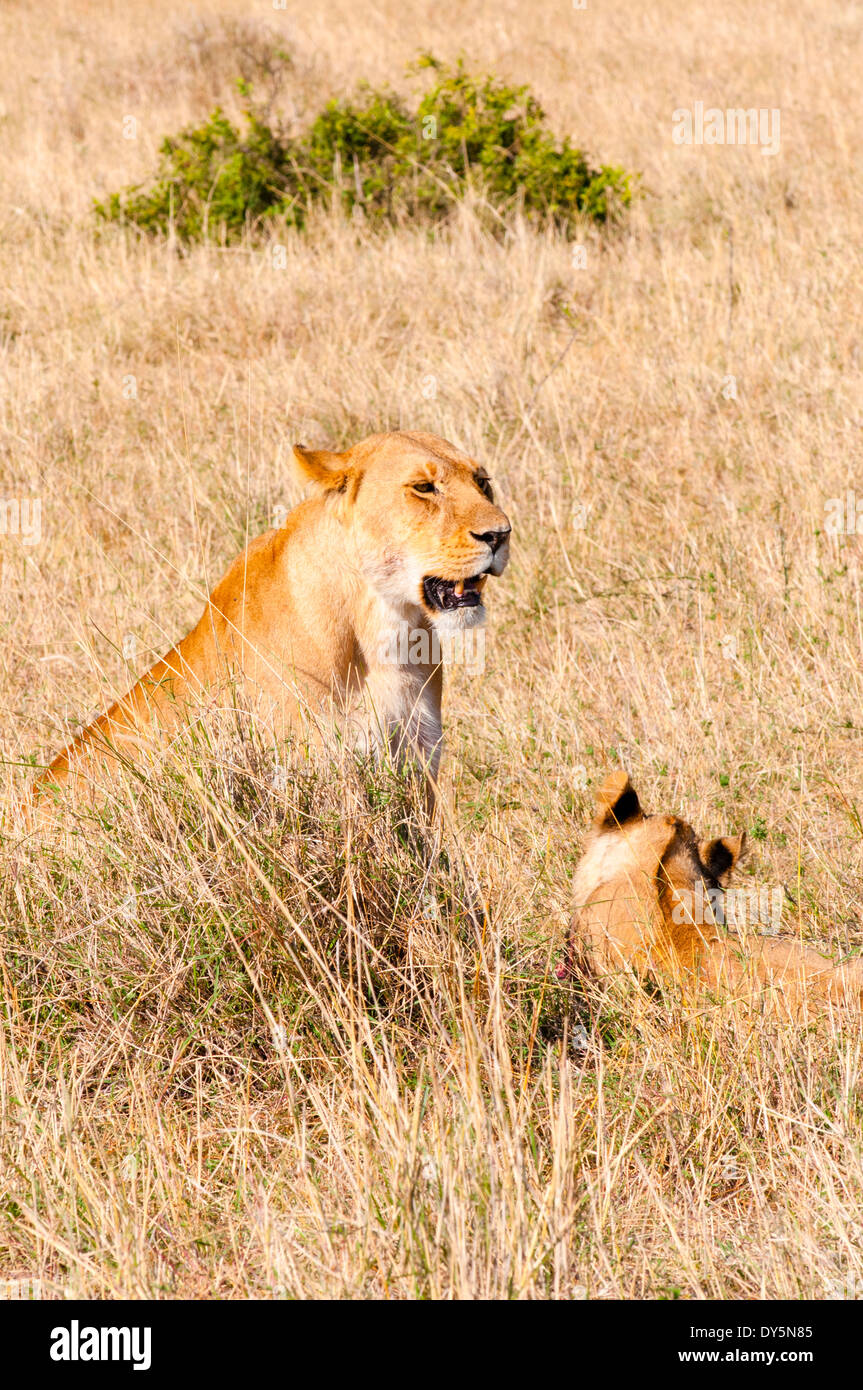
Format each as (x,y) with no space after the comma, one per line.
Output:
(445,594)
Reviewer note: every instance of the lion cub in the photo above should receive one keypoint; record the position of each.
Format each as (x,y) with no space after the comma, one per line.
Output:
(650,897)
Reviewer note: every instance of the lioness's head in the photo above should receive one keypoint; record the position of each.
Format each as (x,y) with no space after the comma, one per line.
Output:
(647,885)
(420,519)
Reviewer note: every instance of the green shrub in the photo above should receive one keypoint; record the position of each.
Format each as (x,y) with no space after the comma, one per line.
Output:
(210,177)
(374,155)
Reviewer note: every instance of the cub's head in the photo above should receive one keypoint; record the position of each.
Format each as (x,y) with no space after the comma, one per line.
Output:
(640,869)
(420,519)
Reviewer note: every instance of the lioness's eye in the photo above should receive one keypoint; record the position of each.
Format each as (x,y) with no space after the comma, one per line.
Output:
(484,485)
(424,487)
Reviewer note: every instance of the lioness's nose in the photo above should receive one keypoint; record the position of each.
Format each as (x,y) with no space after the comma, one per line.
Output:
(493,539)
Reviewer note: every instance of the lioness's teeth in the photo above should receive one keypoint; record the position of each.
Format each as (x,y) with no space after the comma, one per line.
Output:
(459,588)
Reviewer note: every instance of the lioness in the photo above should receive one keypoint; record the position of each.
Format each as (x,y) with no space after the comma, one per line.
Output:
(397,540)
(649,896)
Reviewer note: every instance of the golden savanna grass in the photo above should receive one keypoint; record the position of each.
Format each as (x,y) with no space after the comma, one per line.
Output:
(255,1042)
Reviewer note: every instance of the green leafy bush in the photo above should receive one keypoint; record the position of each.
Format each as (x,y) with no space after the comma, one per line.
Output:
(377,157)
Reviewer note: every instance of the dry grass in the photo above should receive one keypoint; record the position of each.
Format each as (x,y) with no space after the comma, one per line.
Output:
(419,1128)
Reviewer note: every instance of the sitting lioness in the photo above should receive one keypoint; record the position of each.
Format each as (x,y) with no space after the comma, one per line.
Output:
(649,897)
(340,611)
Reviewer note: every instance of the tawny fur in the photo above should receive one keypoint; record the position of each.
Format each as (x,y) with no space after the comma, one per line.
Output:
(630,914)
(302,621)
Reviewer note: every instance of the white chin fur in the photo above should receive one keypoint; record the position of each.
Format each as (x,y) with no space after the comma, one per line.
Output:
(459,619)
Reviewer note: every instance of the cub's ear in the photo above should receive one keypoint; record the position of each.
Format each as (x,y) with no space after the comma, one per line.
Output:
(616,802)
(326,470)
(720,856)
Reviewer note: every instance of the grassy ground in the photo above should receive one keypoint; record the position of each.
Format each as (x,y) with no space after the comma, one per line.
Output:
(249,1045)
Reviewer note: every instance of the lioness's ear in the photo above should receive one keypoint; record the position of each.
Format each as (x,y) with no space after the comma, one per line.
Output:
(616,802)
(320,466)
(720,856)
